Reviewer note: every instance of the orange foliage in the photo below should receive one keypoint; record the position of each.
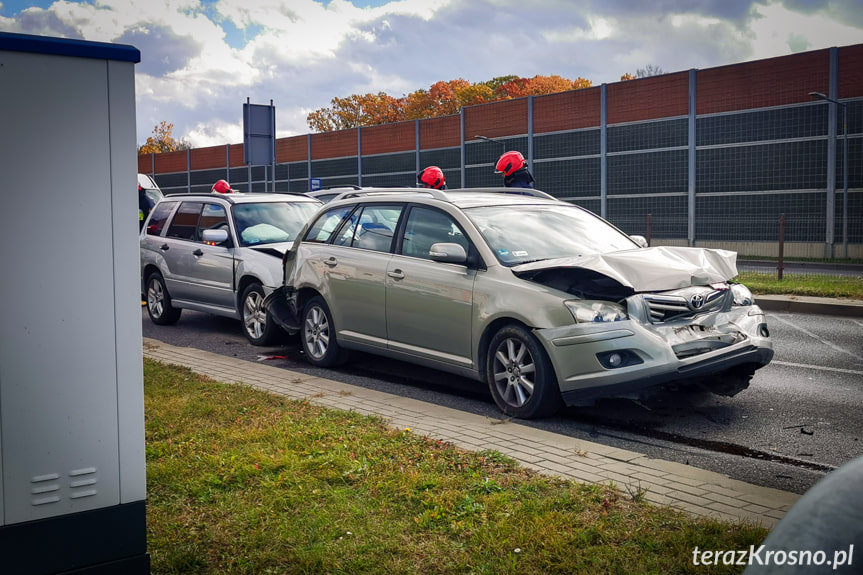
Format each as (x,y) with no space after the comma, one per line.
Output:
(163,141)
(443,98)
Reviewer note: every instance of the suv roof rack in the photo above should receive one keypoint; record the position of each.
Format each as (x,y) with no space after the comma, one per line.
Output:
(442,194)
(445,195)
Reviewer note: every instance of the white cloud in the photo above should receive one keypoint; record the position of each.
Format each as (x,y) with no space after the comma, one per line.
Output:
(200,62)
(778,30)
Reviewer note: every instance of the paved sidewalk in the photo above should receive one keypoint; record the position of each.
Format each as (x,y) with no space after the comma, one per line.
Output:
(690,489)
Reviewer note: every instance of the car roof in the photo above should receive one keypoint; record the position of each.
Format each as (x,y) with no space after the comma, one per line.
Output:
(462,198)
(245,197)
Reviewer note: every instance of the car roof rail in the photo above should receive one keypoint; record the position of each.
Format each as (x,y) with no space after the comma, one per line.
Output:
(378,191)
(442,194)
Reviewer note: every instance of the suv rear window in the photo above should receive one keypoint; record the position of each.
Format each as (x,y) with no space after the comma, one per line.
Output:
(158,218)
(185,221)
(323,228)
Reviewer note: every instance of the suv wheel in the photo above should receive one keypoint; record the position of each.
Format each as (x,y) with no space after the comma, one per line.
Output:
(159,306)
(257,325)
(520,375)
(318,335)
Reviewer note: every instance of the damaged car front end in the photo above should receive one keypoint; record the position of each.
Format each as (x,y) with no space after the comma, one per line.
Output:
(649,317)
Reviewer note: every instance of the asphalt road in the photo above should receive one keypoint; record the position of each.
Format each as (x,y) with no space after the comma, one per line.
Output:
(799,419)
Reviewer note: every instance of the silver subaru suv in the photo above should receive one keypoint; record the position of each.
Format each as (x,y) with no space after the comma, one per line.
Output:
(541,299)
(221,254)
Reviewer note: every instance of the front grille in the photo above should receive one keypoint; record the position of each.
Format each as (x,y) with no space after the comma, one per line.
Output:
(665,307)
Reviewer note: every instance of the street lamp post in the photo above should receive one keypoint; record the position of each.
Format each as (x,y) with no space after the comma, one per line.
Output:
(844,106)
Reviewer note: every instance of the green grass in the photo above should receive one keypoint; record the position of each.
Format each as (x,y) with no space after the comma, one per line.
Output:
(803,285)
(241,481)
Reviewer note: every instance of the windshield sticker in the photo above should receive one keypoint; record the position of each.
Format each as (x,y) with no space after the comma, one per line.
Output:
(519,253)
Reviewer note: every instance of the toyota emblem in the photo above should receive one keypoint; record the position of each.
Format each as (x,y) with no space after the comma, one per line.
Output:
(696,301)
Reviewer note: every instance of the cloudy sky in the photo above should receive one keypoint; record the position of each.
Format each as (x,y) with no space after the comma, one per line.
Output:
(201,59)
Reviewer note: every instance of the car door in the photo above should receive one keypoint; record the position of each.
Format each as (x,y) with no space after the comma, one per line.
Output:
(211,267)
(429,305)
(176,249)
(355,270)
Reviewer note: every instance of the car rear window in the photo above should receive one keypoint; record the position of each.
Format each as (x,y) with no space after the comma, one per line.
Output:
(158,218)
(185,221)
(323,228)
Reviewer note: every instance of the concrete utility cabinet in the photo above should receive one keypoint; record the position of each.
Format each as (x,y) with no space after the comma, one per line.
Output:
(72,465)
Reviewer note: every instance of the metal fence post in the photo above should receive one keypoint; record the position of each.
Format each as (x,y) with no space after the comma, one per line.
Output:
(649,231)
(691,176)
(462,146)
(781,245)
(603,152)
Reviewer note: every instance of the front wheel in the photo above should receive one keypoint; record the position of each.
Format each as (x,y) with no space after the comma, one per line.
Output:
(318,335)
(520,375)
(258,327)
(159,306)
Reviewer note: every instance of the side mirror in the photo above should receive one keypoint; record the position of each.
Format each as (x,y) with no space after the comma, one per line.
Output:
(215,237)
(448,253)
(640,240)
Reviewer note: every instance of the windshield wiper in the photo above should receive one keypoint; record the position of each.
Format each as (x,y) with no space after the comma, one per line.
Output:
(531,261)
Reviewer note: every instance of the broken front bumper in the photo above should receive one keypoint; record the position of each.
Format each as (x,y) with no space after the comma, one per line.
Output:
(282,310)
(629,357)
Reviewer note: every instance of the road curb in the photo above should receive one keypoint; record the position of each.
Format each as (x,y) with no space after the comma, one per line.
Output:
(815,305)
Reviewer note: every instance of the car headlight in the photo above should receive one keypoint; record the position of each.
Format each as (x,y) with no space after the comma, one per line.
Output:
(742,295)
(595,311)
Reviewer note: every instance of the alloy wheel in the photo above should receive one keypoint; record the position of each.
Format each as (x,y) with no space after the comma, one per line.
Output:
(254,315)
(514,372)
(316,330)
(155,298)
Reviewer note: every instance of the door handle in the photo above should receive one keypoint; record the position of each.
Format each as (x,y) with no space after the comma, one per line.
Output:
(396,274)
(332,262)
(164,247)
(198,252)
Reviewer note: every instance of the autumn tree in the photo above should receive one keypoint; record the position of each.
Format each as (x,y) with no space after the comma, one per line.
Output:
(440,99)
(647,71)
(538,86)
(356,111)
(162,141)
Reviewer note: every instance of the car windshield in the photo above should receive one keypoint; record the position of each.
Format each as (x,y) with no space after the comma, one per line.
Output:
(521,234)
(271,222)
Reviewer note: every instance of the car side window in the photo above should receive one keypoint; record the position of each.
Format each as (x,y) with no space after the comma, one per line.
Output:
(213,217)
(158,218)
(425,227)
(375,227)
(185,222)
(322,230)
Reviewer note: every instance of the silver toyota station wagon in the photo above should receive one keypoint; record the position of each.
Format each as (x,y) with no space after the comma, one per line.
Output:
(221,254)
(544,301)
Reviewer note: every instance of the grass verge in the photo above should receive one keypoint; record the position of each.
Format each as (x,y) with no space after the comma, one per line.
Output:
(803,285)
(242,481)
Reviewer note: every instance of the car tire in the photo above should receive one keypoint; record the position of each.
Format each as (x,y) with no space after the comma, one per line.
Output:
(520,375)
(318,335)
(159,306)
(258,327)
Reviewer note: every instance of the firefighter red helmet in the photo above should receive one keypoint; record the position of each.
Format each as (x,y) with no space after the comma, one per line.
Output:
(509,163)
(432,177)
(222,187)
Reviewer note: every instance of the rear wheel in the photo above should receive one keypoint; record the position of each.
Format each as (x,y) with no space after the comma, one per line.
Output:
(520,375)
(318,335)
(159,306)
(258,327)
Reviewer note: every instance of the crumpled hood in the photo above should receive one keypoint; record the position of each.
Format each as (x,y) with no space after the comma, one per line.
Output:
(651,269)
(276,249)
